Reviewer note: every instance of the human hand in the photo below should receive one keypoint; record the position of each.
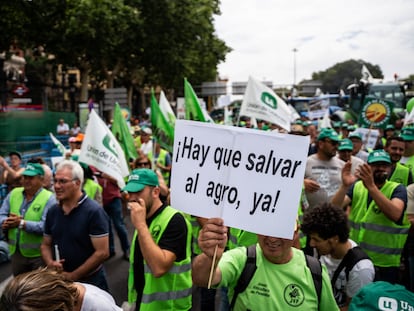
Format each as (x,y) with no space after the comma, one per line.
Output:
(138,212)
(311,185)
(213,234)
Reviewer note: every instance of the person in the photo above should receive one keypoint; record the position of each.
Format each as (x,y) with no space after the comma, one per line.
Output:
(75,240)
(75,130)
(22,215)
(323,169)
(91,187)
(282,280)
(47,177)
(160,261)
(400,173)
(410,239)
(146,141)
(407,134)
(62,128)
(162,161)
(12,175)
(345,154)
(328,229)
(377,213)
(112,203)
(358,151)
(45,289)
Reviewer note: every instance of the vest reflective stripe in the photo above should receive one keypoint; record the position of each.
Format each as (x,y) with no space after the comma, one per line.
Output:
(400,174)
(378,236)
(29,243)
(173,290)
(166,296)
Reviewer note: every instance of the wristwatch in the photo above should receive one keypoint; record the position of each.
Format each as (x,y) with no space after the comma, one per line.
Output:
(21,225)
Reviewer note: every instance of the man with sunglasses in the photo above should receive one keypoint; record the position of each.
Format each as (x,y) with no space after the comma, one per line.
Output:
(22,215)
(323,169)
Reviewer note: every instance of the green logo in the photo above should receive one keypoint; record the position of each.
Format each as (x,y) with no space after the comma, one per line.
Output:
(156,232)
(294,295)
(109,144)
(269,99)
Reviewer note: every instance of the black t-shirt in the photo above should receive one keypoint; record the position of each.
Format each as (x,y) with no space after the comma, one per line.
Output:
(174,239)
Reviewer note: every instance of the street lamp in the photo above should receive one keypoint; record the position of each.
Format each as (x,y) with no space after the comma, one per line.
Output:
(294,66)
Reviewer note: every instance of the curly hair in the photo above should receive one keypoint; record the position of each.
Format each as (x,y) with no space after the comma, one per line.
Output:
(39,290)
(327,221)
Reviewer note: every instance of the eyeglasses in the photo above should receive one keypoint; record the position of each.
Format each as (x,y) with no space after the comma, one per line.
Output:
(143,164)
(62,181)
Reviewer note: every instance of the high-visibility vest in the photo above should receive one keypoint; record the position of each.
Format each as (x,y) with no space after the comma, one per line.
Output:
(91,187)
(161,160)
(29,243)
(380,237)
(173,290)
(400,174)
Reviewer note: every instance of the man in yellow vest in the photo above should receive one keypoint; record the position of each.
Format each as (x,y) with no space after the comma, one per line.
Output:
(377,214)
(160,269)
(400,173)
(23,214)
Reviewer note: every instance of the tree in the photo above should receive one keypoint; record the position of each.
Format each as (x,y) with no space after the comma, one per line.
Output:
(340,75)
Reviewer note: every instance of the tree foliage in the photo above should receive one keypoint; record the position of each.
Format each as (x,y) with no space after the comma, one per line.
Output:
(340,75)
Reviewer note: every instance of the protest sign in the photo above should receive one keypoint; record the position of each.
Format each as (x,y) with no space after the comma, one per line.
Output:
(250,178)
(369,137)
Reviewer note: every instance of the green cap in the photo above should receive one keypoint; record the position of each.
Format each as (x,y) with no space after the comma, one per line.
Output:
(328,133)
(379,156)
(390,127)
(298,121)
(407,133)
(140,178)
(345,144)
(355,135)
(33,169)
(337,124)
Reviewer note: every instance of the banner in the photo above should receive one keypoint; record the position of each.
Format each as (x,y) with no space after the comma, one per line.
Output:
(123,135)
(166,110)
(252,179)
(101,150)
(375,113)
(261,102)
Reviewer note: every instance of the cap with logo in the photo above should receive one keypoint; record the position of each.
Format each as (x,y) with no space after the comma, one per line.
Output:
(345,144)
(407,133)
(328,133)
(140,178)
(33,169)
(390,127)
(355,135)
(146,130)
(378,156)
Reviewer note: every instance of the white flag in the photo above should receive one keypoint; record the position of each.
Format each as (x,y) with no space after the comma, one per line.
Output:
(409,117)
(58,145)
(166,109)
(262,103)
(101,150)
(326,121)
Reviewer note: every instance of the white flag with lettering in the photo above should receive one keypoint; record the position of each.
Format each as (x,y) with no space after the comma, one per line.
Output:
(261,102)
(101,150)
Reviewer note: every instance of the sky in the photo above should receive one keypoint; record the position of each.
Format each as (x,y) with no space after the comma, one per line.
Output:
(264,33)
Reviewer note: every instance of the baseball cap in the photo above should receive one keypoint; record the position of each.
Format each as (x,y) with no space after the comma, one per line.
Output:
(355,135)
(79,138)
(146,130)
(296,128)
(345,144)
(16,154)
(390,127)
(337,124)
(379,156)
(407,133)
(328,133)
(33,169)
(140,178)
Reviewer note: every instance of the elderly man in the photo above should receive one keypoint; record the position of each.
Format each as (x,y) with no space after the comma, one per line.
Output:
(377,213)
(23,214)
(76,233)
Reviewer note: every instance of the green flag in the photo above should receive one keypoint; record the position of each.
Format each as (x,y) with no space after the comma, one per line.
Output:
(192,106)
(121,132)
(161,129)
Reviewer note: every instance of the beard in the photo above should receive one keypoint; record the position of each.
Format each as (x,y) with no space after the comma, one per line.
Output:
(380,177)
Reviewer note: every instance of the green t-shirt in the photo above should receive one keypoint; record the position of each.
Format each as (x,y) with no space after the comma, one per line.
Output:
(275,286)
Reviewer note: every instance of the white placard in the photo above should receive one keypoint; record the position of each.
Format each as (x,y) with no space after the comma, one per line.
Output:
(250,178)
(369,137)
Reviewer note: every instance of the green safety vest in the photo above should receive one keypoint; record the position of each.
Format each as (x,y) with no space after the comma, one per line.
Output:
(400,174)
(381,238)
(195,226)
(90,187)
(173,290)
(29,243)
(410,164)
(238,237)
(161,160)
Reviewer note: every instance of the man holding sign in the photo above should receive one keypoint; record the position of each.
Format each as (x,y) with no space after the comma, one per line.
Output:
(281,281)
(160,270)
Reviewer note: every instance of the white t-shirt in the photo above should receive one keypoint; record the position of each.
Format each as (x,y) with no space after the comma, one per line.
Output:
(62,128)
(96,299)
(361,274)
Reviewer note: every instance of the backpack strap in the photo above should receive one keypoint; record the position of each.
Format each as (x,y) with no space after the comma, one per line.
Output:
(353,256)
(246,275)
(316,270)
